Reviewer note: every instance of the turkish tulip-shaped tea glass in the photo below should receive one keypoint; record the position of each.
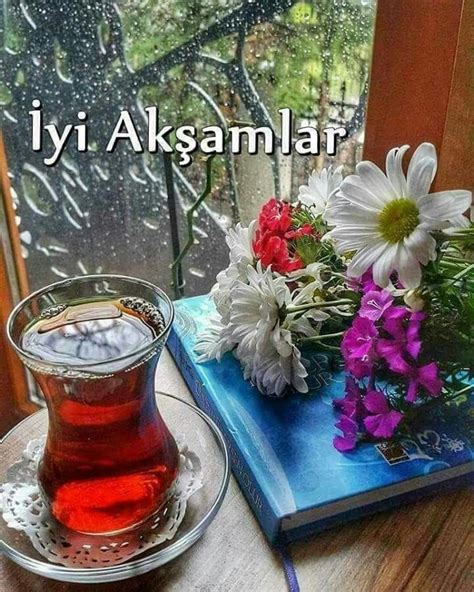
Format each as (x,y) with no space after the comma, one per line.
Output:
(92,344)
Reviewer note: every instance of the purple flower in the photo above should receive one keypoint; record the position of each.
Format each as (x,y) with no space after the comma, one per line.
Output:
(374,304)
(395,317)
(351,405)
(358,347)
(348,440)
(400,320)
(363,284)
(383,421)
(426,376)
(404,329)
(413,334)
(392,351)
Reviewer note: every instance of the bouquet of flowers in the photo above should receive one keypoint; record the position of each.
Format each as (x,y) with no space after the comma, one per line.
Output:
(372,267)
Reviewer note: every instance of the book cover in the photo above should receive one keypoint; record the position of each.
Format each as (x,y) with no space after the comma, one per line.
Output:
(282,449)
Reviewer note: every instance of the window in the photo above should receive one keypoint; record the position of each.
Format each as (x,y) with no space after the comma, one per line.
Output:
(205,62)
(202,62)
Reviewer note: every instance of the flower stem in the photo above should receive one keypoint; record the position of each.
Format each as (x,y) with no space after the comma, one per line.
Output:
(465,234)
(412,413)
(448,264)
(310,305)
(317,338)
(328,347)
(451,259)
(464,271)
(466,389)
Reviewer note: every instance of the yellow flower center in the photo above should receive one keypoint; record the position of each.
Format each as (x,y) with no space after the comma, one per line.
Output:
(398,219)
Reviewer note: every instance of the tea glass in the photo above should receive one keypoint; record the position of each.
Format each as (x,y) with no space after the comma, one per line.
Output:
(109,460)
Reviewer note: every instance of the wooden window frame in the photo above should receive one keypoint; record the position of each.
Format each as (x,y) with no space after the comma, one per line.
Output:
(421,90)
(14,396)
(421,85)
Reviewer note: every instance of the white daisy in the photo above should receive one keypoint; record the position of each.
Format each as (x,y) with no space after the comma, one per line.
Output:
(460,223)
(387,219)
(319,189)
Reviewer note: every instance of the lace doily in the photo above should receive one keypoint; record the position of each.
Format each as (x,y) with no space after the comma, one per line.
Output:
(24,509)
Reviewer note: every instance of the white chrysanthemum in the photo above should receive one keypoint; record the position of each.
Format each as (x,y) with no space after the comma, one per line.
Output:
(241,255)
(259,324)
(387,219)
(215,341)
(220,291)
(312,271)
(278,365)
(239,240)
(319,189)
(308,324)
(266,350)
(256,307)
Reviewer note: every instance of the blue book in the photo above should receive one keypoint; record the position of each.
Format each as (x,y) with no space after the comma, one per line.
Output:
(282,449)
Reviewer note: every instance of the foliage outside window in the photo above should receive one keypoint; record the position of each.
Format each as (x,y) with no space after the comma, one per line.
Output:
(202,62)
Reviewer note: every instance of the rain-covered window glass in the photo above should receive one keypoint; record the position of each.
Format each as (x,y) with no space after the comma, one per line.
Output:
(202,62)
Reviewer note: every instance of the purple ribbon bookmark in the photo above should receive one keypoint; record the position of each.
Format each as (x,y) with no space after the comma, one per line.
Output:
(288,567)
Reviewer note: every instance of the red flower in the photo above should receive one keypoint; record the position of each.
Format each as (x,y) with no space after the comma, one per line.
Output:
(272,244)
(273,250)
(274,216)
(304,230)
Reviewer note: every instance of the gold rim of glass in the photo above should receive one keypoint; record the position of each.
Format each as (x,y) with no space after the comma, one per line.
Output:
(80,279)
